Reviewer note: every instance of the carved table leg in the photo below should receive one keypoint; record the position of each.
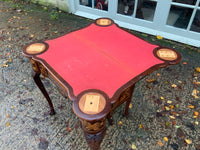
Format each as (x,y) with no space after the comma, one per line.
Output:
(129,100)
(36,77)
(94,133)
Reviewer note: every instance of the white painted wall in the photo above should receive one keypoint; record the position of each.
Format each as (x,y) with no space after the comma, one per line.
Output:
(61,4)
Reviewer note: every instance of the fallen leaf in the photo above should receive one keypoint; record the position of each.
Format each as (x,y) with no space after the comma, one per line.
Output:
(120,123)
(149,80)
(172,117)
(7,124)
(69,129)
(9,60)
(177,105)
(166,139)
(173,122)
(133,146)
(130,106)
(12,107)
(174,113)
(141,126)
(197,69)
(8,115)
(159,37)
(160,143)
(32,35)
(195,74)
(172,107)
(191,106)
(167,124)
(4,65)
(174,85)
(158,74)
(194,93)
(169,101)
(195,82)
(196,113)
(167,108)
(162,98)
(188,141)
(177,126)
(184,63)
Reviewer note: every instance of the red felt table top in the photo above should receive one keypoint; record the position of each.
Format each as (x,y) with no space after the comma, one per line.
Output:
(99,57)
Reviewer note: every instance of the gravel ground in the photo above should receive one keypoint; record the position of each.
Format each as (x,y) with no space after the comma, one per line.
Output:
(163,114)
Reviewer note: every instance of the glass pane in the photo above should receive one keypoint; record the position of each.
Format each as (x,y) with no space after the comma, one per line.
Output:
(179,16)
(86,2)
(145,9)
(126,7)
(101,4)
(196,23)
(98,4)
(190,2)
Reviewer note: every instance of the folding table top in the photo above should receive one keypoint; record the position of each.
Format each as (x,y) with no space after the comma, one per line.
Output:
(102,56)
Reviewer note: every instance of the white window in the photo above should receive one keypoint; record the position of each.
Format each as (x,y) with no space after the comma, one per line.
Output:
(178,20)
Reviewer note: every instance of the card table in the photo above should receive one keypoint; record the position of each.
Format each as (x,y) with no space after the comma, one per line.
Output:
(96,67)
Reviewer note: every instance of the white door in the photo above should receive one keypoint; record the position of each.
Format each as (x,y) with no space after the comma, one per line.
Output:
(177,20)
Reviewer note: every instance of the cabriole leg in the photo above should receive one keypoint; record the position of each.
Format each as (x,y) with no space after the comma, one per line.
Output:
(129,100)
(36,78)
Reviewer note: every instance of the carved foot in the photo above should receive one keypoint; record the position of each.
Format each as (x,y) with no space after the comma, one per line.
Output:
(94,132)
(52,112)
(94,140)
